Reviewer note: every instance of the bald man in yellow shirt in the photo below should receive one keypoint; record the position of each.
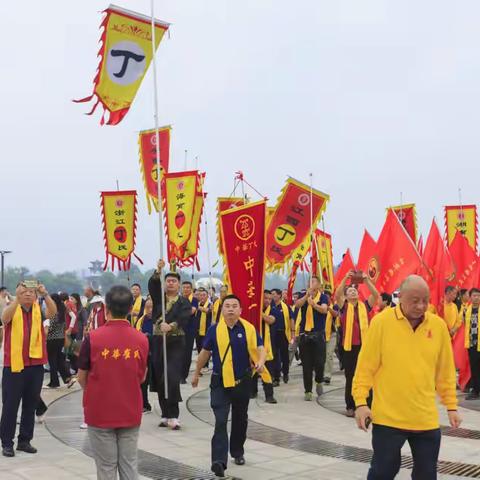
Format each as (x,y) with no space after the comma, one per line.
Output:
(407,359)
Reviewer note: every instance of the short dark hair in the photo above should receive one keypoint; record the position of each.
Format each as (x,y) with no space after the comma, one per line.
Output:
(119,301)
(186,282)
(201,289)
(316,277)
(277,291)
(386,297)
(2,289)
(449,288)
(231,297)
(174,275)
(474,290)
(267,292)
(463,291)
(136,285)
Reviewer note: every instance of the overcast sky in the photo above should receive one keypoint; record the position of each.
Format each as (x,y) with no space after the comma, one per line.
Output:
(375,97)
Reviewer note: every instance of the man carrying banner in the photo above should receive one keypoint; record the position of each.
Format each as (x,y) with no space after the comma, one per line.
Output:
(282,333)
(407,359)
(178,310)
(235,346)
(190,330)
(310,327)
(354,324)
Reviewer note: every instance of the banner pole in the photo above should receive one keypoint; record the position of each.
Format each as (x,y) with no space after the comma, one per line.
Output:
(311,225)
(159,188)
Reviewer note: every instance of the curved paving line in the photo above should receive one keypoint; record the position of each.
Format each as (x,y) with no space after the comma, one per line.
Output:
(331,401)
(65,428)
(198,405)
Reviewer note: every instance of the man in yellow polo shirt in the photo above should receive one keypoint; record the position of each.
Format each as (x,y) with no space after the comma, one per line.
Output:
(407,359)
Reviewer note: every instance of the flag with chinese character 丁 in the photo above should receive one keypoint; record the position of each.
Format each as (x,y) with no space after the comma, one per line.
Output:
(181,189)
(119,216)
(407,215)
(243,235)
(148,161)
(225,203)
(125,55)
(292,221)
(463,219)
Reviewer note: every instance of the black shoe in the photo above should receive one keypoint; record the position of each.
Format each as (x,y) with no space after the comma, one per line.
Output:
(285,378)
(472,396)
(218,469)
(326,380)
(240,460)
(183,381)
(270,400)
(253,396)
(26,447)
(8,452)
(147,409)
(276,383)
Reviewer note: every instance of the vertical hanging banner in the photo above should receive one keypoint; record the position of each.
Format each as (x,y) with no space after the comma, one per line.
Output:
(325,258)
(407,215)
(243,236)
(191,249)
(225,203)
(179,204)
(125,55)
(119,216)
(463,219)
(290,224)
(147,141)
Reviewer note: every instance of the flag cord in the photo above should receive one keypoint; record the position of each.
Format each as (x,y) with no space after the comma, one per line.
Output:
(159,188)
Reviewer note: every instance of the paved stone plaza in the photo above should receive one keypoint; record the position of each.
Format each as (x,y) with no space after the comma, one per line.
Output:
(293,439)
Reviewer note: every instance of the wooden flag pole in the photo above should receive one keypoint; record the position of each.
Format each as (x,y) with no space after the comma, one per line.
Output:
(160,197)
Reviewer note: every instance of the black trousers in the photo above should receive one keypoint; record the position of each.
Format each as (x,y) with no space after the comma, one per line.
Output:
(222,400)
(199,344)
(267,387)
(145,386)
(41,408)
(474,358)
(189,340)
(350,364)
(23,386)
(313,355)
(280,355)
(56,360)
(169,408)
(387,443)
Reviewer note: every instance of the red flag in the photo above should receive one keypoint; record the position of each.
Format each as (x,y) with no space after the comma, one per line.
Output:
(460,354)
(346,265)
(396,253)
(420,246)
(465,260)
(437,266)
(367,262)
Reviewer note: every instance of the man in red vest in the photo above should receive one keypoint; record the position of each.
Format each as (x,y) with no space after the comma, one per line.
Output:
(112,366)
(25,353)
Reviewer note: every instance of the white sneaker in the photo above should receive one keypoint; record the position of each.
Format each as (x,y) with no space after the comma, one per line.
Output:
(163,422)
(174,424)
(83,426)
(71,383)
(41,418)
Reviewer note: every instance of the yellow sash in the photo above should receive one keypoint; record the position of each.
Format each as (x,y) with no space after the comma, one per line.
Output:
(267,340)
(309,314)
(16,345)
(137,306)
(202,329)
(328,326)
(450,314)
(223,341)
(363,319)
(190,298)
(286,317)
(139,323)
(468,319)
(216,308)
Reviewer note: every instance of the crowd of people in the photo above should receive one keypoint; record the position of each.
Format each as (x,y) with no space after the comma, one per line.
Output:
(121,347)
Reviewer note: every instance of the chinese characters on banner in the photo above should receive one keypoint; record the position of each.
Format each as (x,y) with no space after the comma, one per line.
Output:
(243,234)
(180,202)
(462,218)
(147,140)
(407,215)
(125,55)
(224,203)
(291,222)
(119,216)
(325,258)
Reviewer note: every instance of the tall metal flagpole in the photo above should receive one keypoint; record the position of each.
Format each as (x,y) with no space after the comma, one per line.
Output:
(159,187)
(311,225)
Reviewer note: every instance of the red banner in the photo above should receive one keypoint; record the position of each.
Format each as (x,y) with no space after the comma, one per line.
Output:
(346,265)
(465,261)
(408,218)
(225,203)
(243,234)
(147,140)
(367,262)
(297,208)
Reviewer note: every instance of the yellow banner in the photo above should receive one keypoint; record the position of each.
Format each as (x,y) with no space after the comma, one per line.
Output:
(325,258)
(119,211)
(126,53)
(191,250)
(462,218)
